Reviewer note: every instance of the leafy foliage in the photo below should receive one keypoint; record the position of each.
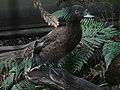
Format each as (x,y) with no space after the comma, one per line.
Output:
(116,87)
(95,35)
(63,13)
(15,68)
(110,50)
(82,57)
(75,60)
(23,85)
(6,83)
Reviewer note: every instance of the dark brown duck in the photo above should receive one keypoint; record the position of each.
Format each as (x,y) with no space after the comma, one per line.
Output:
(60,42)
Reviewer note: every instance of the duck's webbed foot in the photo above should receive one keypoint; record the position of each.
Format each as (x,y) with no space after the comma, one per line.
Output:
(38,75)
(56,73)
(56,70)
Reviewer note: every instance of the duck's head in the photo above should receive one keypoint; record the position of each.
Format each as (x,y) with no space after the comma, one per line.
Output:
(78,11)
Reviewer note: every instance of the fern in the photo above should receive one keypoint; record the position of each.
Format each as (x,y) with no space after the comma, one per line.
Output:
(94,23)
(15,68)
(95,33)
(82,56)
(117,87)
(90,38)
(110,50)
(9,80)
(76,59)
(109,32)
(99,28)
(24,85)
(63,13)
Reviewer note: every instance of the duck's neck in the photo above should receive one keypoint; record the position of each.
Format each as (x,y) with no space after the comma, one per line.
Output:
(73,34)
(73,24)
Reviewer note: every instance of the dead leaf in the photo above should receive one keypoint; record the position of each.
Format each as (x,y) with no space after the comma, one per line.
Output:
(37,3)
(49,18)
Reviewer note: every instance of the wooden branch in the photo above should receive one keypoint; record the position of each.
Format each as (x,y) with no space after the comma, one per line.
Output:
(21,51)
(65,80)
(25,31)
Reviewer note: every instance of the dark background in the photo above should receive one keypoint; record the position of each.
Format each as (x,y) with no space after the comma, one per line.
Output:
(16,14)
(21,14)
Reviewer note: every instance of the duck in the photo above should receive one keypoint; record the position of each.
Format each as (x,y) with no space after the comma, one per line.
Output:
(61,41)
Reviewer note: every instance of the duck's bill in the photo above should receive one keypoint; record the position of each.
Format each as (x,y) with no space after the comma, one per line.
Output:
(89,16)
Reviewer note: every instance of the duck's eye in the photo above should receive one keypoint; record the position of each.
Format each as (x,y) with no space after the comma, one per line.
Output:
(76,11)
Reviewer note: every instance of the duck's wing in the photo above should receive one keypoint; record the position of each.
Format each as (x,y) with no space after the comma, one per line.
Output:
(47,40)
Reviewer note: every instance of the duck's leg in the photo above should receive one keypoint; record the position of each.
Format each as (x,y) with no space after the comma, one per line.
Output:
(56,70)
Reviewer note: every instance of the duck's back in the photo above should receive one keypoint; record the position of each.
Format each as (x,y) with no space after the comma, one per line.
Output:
(61,43)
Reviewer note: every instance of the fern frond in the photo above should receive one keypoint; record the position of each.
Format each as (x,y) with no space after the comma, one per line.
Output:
(99,27)
(95,33)
(108,32)
(90,37)
(24,85)
(63,13)
(110,50)
(9,80)
(117,87)
(76,59)
(1,66)
(94,23)
(82,57)
(14,68)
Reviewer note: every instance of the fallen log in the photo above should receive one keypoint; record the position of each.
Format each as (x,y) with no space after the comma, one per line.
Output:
(45,76)
(66,81)
(20,51)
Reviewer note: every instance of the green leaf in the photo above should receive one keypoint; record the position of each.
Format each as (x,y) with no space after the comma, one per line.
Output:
(110,50)
(63,13)
(82,56)
(1,67)
(9,80)
(23,85)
